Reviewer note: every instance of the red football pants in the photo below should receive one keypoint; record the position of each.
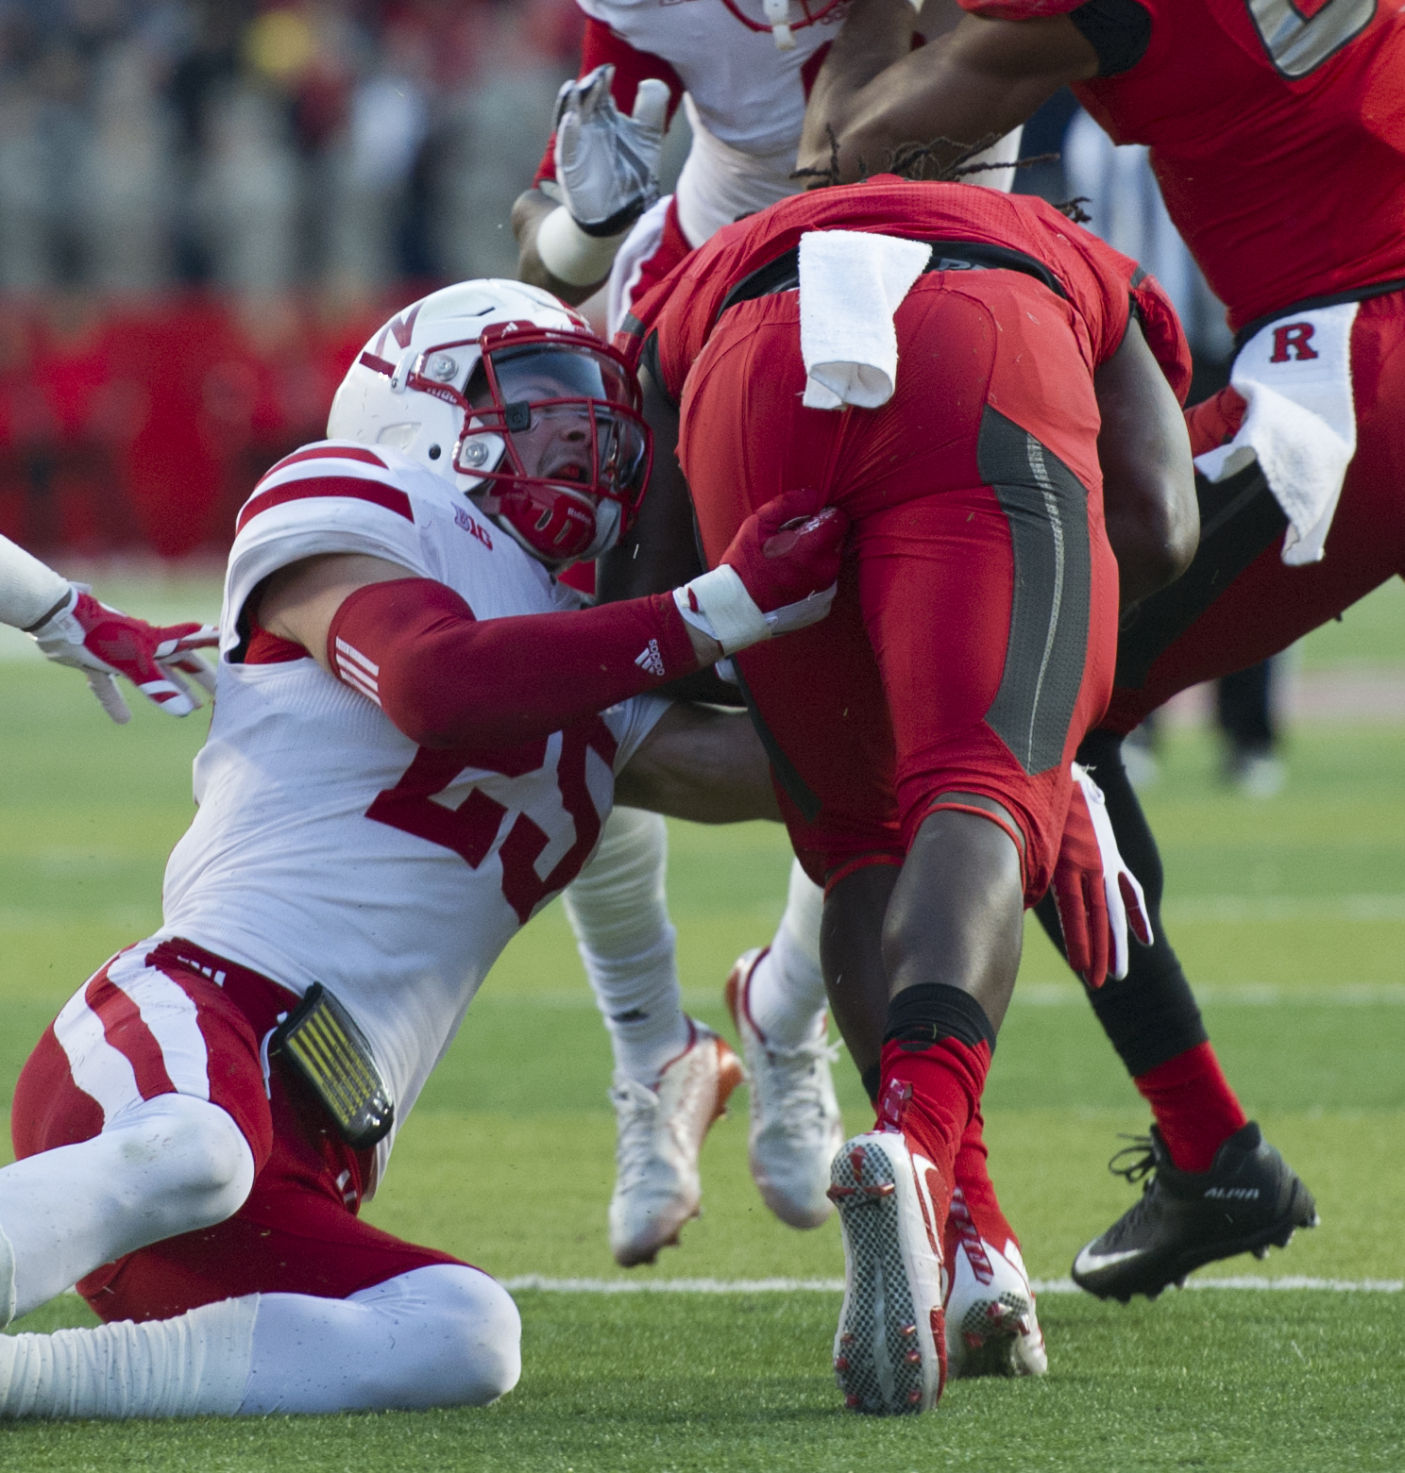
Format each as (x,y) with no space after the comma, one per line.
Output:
(972,642)
(298,1232)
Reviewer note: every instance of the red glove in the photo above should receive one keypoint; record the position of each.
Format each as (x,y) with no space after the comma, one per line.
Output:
(103,642)
(1098,898)
(778,574)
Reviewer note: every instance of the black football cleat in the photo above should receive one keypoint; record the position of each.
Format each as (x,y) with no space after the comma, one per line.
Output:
(1248,1199)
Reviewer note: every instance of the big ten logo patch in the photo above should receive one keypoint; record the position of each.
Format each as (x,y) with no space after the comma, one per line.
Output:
(473,527)
(1292,343)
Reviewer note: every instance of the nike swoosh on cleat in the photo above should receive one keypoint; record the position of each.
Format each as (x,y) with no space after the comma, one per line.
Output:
(1089,1262)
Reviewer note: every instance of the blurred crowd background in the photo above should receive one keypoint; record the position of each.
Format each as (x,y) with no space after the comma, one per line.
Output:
(205,208)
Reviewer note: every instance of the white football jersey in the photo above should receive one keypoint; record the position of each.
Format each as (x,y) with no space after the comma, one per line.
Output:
(745,103)
(745,99)
(328,847)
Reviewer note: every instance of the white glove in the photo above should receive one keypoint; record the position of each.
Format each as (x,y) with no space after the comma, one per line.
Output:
(1097,897)
(607,165)
(104,642)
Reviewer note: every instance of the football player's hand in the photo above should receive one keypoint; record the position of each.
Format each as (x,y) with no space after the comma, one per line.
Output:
(104,643)
(778,574)
(1098,898)
(607,164)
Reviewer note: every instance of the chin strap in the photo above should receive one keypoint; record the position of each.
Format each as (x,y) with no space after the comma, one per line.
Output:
(778,18)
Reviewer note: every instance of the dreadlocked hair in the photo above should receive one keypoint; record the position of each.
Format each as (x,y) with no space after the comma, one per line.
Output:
(922,162)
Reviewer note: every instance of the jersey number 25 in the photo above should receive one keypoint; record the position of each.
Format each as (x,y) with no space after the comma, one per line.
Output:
(470,829)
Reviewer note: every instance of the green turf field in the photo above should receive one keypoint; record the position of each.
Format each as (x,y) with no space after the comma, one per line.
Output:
(1290,916)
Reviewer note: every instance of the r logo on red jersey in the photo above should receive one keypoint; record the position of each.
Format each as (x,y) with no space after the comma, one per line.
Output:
(1293,342)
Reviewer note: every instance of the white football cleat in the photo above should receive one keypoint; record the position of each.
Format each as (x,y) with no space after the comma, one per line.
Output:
(659,1133)
(991,1326)
(890,1349)
(795,1125)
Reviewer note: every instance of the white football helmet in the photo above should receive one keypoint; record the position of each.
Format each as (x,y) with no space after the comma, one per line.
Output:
(453,378)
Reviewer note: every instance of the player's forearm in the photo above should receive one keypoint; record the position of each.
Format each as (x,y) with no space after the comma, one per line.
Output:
(876,34)
(446,679)
(701,764)
(585,257)
(967,88)
(1149,504)
(29,589)
(1153,532)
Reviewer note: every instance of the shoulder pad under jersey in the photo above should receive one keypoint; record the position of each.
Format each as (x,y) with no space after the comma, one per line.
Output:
(329,497)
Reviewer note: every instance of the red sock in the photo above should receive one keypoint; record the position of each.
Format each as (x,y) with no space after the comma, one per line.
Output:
(1196,1111)
(931,1093)
(977,1189)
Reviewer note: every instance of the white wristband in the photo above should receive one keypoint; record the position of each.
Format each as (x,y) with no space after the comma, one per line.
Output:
(29,589)
(719,605)
(570,254)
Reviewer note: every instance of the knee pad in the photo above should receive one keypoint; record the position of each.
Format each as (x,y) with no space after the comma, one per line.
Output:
(186,1157)
(490,1327)
(466,1349)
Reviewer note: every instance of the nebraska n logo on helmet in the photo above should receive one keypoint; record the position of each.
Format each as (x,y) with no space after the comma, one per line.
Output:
(505,391)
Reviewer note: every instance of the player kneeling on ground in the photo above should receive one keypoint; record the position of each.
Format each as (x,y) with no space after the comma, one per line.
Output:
(417,737)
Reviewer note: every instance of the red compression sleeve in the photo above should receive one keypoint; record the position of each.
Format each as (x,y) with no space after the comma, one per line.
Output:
(447,679)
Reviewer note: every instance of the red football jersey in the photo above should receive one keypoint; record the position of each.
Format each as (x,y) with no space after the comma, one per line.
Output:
(1277,132)
(1099,282)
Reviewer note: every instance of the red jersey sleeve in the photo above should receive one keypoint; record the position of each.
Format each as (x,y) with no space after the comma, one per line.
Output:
(1108,289)
(601,45)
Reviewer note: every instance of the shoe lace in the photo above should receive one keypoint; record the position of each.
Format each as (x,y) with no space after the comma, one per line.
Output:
(798,1074)
(1133,1162)
(636,1115)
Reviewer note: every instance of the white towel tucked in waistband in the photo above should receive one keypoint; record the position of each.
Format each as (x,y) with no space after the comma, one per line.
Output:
(851,283)
(1300,423)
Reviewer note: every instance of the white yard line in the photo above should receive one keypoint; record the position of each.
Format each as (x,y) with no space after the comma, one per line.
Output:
(1239,1283)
